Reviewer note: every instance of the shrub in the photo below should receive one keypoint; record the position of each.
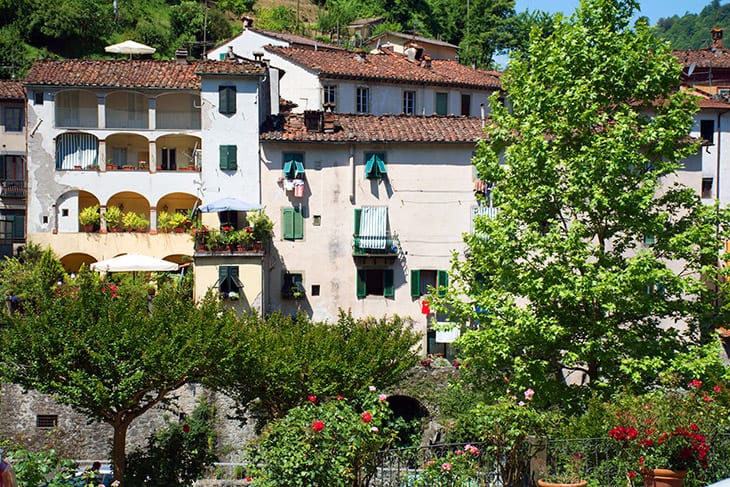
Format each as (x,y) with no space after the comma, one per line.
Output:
(113,217)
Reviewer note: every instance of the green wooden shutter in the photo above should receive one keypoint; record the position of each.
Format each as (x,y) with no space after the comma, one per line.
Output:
(442,282)
(361,278)
(442,103)
(228,154)
(19,227)
(298,224)
(287,223)
(222,277)
(233,278)
(415,283)
(358,214)
(227,99)
(388,286)
(380,161)
(370,165)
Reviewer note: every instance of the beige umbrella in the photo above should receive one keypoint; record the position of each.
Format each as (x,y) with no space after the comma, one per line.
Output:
(129,47)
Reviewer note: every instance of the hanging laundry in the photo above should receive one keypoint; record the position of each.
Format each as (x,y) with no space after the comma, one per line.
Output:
(298,188)
(288,185)
(425,308)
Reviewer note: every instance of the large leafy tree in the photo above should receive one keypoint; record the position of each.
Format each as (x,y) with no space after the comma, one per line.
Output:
(283,359)
(99,348)
(598,262)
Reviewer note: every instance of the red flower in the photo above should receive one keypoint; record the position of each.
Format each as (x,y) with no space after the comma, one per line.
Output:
(312,399)
(716,389)
(631,474)
(186,428)
(695,384)
(367,417)
(317,426)
(340,397)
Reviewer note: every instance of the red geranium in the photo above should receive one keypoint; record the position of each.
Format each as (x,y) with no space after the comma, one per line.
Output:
(317,426)
(367,417)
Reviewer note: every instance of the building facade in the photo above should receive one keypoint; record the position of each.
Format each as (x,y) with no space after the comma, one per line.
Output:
(12,167)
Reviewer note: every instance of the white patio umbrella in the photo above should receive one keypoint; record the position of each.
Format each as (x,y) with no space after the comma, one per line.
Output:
(129,47)
(134,263)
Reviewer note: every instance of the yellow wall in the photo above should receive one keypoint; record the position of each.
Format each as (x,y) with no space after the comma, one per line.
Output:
(249,273)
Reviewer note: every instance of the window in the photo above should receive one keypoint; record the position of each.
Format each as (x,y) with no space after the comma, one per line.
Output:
(466,104)
(375,282)
(292,285)
(409,102)
(228,280)
(707,187)
(375,165)
(436,348)
(371,230)
(46,420)
(329,97)
(485,210)
(228,157)
(38,98)
(12,168)
(13,119)
(292,223)
(707,131)
(442,103)
(362,100)
(227,218)
(169,159)
(422,280)
(15,229)
(293,165)
(649,240)
(76,150)
(119,156)
(227,100)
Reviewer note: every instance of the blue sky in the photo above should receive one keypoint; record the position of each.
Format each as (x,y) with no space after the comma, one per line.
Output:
(654,9)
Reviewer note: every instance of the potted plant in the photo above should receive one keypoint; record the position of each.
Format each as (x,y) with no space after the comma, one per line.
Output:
(261,224)
(142,224)
(179,222)
(89,217)
(667,433)
(113,218)
(214,240)
(567,472)
(130,220)
(164,222)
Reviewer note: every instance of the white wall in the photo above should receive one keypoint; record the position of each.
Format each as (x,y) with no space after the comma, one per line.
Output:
(245,44)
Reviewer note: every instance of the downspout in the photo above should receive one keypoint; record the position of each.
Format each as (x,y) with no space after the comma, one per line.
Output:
(352,173)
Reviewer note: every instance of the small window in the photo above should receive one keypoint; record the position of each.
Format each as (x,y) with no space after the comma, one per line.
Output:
(315,289)
(228,281)
(292,286)
(13,119)
(292,223)
(38,98)
(293,165)
(409,102)
(329,97)
(707,132)
(362,101)
(422,280)
(649,240)
(442,103)
(375,165)
(228,157)
(46,420)
(375,282)
(466,104)
(227,100)
(707,187)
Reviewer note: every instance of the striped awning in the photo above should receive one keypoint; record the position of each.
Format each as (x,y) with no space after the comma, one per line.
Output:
(373,232)
(76,150)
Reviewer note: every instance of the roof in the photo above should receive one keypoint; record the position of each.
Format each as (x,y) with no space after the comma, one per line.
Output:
(389,67)
(704,58)
(11,90)
(295,39)
(411,37)
(133,73)
(350,128)
(371,20)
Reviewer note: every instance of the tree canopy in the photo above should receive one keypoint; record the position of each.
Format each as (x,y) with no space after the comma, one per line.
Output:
(96,345)
(598,261)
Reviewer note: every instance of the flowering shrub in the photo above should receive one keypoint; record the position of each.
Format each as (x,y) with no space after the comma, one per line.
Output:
(669,429)
(457,468)
(323,442)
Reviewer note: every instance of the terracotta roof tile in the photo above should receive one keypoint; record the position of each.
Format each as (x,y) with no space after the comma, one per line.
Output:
(377,129)
(128,73)
(11,90)
(704,58)
(389,67)
(229,67)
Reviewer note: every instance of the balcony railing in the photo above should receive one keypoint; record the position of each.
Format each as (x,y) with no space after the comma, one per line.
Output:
(12,189)
(362,246)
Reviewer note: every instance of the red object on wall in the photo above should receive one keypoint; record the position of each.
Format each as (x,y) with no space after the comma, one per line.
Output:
(425,309)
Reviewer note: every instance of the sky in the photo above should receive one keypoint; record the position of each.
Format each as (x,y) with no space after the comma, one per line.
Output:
(654,9)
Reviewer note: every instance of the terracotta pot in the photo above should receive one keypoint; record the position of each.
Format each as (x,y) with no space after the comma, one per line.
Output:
(544,483)
(89,228)
(660,477)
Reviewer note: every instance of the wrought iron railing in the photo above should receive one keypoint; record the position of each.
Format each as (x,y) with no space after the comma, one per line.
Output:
(12,188)
(390,248)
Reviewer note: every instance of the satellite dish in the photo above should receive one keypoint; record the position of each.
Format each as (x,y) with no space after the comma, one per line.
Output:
(691,69)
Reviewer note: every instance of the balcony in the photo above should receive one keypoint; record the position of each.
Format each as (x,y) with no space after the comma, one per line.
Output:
(12,189)
(382,246)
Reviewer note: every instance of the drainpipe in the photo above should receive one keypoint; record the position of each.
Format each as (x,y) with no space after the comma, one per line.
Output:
(352,173)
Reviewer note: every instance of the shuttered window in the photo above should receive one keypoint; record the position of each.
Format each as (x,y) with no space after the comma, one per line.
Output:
(293,165)
(375,165)
(375,282)
(228,279)
(421,280)
(293,223)
(227,100)
(228,155)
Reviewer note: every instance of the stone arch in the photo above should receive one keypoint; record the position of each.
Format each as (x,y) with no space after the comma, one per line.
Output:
(73,262)
(127,150)
(410,410)
(178,152)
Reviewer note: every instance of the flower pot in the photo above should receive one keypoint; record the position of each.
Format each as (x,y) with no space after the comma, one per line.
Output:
(660,477)
(545,483)
(88,228)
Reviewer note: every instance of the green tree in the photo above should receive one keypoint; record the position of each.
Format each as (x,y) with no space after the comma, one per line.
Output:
(595,246)
(97,347)
(281,360)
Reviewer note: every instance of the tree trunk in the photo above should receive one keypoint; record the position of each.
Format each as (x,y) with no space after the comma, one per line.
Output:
(119,444)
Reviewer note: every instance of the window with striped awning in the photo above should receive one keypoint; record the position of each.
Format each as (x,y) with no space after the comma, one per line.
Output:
(76,150)
(373,228)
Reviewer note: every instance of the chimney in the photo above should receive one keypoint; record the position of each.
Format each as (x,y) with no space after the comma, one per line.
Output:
(360,56)
(247,22)
(313,120)
(258,56)
(716,38)
(426,61)
(181,56)
(230,54)
(410,53)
